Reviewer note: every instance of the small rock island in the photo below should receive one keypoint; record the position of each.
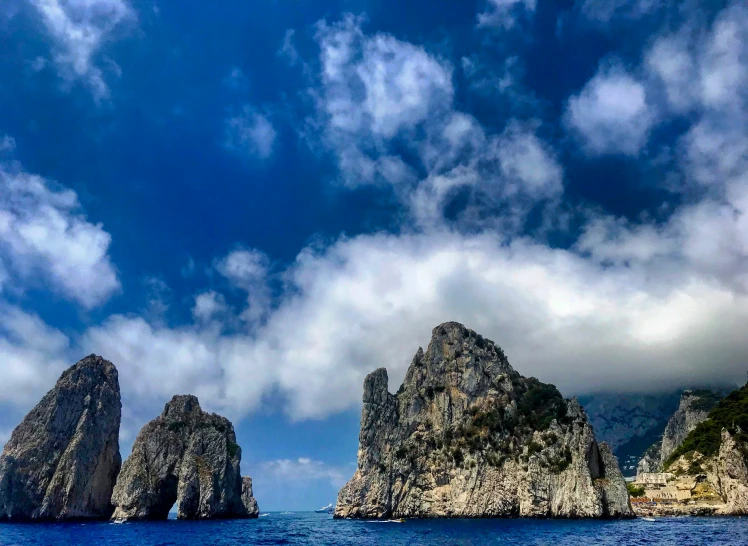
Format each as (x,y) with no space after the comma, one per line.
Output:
(62,461)
(467,436)
(186,456)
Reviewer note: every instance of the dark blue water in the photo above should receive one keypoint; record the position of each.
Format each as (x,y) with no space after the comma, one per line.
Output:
(321,529)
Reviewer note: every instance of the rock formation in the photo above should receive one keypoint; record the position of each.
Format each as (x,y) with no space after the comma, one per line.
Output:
(248,499)
(651,461)
(713,455)
(62,461)
(729,473)
(185,456)
(694,407)
(467,436)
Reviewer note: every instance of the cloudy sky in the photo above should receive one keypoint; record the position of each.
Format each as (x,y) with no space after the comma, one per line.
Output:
(260,203)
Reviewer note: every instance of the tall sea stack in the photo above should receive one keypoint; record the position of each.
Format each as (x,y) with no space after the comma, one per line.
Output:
(467,436)
(62,461)
(186,456)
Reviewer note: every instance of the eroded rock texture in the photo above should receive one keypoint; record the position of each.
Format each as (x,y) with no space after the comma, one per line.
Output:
(62,461)
(694,408)
(467,436)
(185,456)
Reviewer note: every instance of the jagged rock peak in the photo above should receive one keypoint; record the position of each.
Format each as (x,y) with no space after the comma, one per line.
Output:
(248,499)
(468,436)
(62,461)
(186,456)
(694,407)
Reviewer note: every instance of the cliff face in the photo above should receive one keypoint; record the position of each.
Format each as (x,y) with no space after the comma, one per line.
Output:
(61,462)
(730,476)
(694,408)
(248,499)
(185,456)
(467,436)
(650,462)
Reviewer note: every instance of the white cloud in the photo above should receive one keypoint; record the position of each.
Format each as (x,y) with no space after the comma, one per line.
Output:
(380,96)
(611,114)
(528,164)
(304,469)
(7,144)
(251,132)
(248,270)
(33,356)
(43,234)
(288,48)
(372,300)
(375,89)
(378,85)
(80,28)
(243,267)
(504,13)
(208,305)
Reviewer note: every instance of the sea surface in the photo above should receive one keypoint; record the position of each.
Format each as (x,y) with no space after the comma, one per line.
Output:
(321,529)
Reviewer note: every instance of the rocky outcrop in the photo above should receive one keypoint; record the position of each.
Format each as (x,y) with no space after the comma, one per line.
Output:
(467,436)
(62,461)
(650,462)
(248,499)
(730,476)
(185,456)
(694,408)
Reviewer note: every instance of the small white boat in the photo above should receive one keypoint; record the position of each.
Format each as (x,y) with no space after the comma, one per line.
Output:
(119,520)
(649,519)
(329,509)
(263,515)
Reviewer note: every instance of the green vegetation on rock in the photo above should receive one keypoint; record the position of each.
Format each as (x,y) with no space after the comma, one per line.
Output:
(730,413)
(635,490)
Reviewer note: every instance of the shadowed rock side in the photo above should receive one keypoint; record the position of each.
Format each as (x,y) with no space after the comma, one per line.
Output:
(185,456)
(61,462)
(467,436)
(694,408)
(248,499)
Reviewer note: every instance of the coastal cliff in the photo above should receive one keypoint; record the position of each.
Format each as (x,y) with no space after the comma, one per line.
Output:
(185,456)
(467,436)
(693,408)
(62,461)
(707,471)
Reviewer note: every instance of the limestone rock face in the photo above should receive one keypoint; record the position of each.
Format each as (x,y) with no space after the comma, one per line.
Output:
(61,462)
(692,410)
(185,456)
(467,436)
(250,503)
(731,476)
(651,461)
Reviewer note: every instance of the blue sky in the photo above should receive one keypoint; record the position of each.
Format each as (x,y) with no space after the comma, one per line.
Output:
(261,202)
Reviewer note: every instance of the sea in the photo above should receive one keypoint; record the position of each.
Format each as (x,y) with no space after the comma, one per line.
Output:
(320,529)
